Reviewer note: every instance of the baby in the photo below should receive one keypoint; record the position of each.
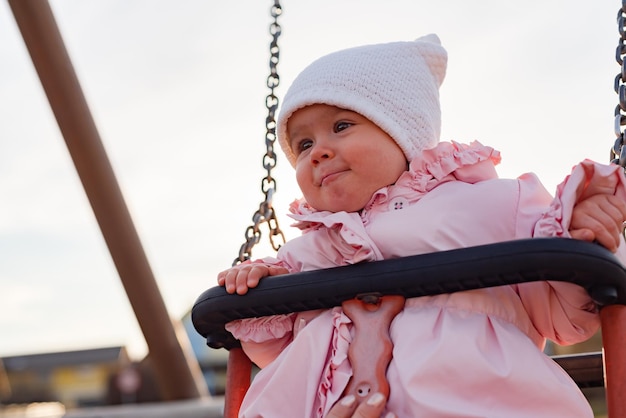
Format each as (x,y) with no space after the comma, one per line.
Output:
(361,127)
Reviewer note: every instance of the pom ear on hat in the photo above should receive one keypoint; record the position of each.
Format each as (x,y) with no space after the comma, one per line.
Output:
(430,45)
(395,85)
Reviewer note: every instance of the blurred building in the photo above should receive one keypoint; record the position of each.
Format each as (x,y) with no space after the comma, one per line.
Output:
(74,378)
(99,376)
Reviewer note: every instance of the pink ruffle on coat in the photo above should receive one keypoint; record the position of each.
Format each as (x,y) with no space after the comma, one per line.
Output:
(468,354)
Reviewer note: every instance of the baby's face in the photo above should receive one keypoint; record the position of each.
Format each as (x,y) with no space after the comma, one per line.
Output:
(342,157)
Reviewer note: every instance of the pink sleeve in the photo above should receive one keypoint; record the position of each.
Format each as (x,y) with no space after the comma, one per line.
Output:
(564,312)
(532,204)
(263,339)
(587,178)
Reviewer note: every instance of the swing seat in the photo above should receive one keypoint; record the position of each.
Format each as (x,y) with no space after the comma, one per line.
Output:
(556,259)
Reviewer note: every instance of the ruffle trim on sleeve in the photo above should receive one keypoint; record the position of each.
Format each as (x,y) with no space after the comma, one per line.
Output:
(262,329)
(586,179)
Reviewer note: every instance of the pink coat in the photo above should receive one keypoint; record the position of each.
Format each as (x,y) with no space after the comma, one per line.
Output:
(468,354)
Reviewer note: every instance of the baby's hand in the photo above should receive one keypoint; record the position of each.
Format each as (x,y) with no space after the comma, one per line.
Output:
(599,218)
(347,408)
(242,277)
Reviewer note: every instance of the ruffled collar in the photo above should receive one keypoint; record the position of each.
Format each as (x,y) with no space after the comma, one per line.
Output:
(448,161)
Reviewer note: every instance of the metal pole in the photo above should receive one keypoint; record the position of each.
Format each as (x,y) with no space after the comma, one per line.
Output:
(177,373)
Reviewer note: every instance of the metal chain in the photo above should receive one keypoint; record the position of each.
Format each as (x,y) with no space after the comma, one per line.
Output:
(618,152)
(266,213)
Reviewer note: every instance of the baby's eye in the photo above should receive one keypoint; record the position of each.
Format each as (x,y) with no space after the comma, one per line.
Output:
(303,145)
(341,125)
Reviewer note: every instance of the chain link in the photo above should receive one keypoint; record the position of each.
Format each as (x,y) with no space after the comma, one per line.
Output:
(618,152)
(265,213)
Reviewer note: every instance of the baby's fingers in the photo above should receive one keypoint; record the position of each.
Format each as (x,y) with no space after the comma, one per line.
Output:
(254,276)
(228,279)
(600,216)
(221,277)
(584,234)
(605,234)
(240,279)
(372,408)
(620,206)
(277,270)
(611,218)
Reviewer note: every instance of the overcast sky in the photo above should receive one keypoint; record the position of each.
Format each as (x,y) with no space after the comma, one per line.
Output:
(177,90)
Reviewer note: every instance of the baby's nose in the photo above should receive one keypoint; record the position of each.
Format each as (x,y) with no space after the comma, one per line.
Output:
(321,151)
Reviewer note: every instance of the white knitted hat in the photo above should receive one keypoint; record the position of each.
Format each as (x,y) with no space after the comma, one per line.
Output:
(395,85)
